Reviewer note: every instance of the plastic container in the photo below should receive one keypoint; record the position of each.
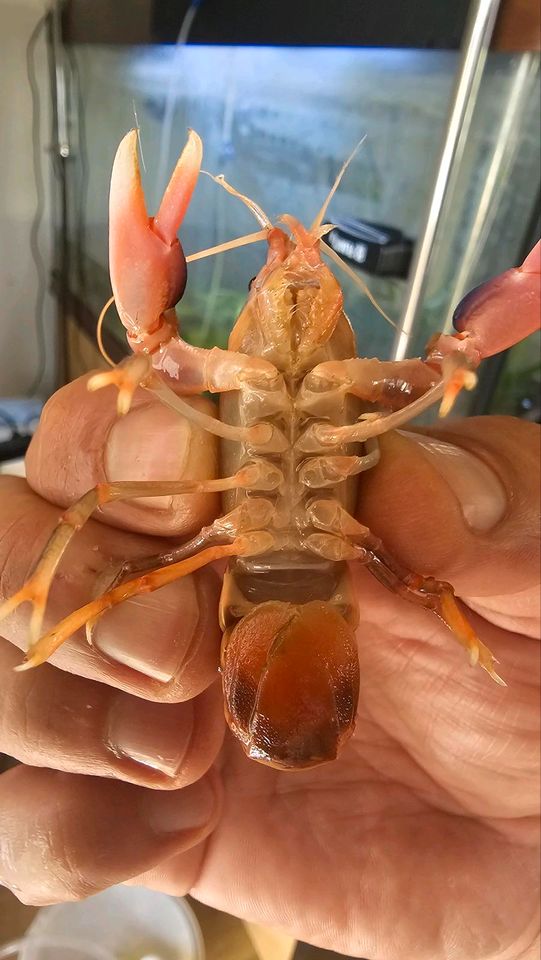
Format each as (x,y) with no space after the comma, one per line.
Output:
(63,950)
(122,923)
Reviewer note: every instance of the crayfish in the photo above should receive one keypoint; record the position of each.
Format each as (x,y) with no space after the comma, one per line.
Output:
(299,419)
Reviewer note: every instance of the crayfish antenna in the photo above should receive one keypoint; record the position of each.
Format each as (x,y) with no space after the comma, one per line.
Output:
(317,226)
(319,219)
(99,332)
(258,213)
(228,245)
(337,259)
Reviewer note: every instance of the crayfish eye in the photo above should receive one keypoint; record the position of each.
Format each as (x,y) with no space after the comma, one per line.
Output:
(251,283)
(291,683)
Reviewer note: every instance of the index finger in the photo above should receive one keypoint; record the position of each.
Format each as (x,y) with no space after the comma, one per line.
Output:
(81,441)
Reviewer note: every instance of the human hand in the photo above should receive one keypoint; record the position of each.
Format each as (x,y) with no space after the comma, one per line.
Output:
(420,841)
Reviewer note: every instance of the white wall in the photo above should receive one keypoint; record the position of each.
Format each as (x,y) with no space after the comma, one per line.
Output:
(18,282)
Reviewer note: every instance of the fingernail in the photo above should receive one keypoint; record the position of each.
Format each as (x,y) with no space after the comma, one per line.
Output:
(477,488)
(177,810)
(152,633)
(149,443)
(156,735)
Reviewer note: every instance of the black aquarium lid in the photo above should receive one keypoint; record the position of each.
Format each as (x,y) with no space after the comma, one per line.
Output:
(330,23)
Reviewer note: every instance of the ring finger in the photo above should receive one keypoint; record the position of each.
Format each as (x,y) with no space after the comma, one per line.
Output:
(51,718)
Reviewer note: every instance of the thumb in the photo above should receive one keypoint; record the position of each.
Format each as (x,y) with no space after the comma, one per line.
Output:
(460,502)
(81,441)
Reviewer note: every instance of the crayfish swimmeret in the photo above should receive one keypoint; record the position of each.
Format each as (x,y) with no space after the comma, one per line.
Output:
(299,419)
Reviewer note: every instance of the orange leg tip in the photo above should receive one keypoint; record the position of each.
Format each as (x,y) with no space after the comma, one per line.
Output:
(487,661)
(461,380)
(89,630)
(492,673)
(126,387)
(11,604)
(25,665)
(123,403)
(38,652)
(447,404)
(99,381)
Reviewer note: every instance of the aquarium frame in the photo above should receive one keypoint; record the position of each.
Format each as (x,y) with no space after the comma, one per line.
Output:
(343,23)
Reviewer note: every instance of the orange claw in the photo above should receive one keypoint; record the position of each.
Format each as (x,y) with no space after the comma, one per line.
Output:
(127,376)
(146,260)
(494,316)
(459,377)
(502,311)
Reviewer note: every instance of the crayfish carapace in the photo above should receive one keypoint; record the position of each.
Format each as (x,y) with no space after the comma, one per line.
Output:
(299,419)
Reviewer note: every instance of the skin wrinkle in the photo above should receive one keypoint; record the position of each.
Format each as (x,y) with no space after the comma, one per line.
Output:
(30,731)
(317,926)
(37,536)
(409,727)
(199,631)
(373,694)
(219,796)
(7,712)
(194,743)
(63,864)
(430,788)
(361,894)
(6,558)
(53,851)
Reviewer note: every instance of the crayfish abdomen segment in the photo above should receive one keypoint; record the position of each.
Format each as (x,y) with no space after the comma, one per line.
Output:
(291,682)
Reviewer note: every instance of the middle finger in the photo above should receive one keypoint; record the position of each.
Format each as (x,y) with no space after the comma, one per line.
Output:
(49,718)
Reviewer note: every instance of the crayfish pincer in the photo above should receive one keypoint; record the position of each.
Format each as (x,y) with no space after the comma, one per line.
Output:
(299,419)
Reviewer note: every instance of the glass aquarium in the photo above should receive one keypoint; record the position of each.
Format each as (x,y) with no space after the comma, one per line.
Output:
(278,122)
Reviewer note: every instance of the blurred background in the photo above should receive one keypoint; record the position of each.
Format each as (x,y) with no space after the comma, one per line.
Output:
(443,193)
